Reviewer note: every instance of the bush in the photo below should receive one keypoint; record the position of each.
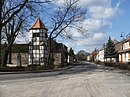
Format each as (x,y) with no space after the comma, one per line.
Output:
(123,66)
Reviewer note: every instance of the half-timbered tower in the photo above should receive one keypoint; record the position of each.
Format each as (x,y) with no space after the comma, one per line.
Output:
(38,44)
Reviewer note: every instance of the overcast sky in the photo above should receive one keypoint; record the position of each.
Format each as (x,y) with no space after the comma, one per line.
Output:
(106,18)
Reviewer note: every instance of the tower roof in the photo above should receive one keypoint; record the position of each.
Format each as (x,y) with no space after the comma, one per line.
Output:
(38,25)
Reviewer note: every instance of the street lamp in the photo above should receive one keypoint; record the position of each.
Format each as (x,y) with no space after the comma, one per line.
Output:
(123,36)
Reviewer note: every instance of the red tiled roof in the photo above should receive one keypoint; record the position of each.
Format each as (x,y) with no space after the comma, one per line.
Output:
(56,47)
(126,50)
(127,39)
(94,53)
(118,47)
(39,25)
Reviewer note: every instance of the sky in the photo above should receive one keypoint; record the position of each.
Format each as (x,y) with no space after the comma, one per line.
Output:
(106,18)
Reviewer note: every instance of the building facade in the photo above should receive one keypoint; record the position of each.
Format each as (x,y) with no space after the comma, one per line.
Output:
(58,52)
(124,54)
(88,57)
(38,50)
(100,55)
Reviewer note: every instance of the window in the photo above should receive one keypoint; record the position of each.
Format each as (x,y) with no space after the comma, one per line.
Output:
(35,47)
(41,39)
(35,34)
(129,56)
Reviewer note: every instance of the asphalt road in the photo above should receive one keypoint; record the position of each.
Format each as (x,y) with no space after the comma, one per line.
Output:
(81,80)
(78,67)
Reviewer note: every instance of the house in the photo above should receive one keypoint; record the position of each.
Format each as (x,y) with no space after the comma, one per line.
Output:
(38,49)
(36,52)
(88,57)
(93,55)
(71,56)
(18,50)
(124,54)
(100,55)
(58,52)
(118,49)
(110,53)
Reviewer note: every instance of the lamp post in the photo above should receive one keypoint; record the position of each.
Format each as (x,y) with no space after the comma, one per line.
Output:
(123,36)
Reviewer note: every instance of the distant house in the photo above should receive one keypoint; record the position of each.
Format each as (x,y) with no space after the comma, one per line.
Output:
(111,55)
(100,55)
(88,57)
(71,56)
(93,56)
(124,54)
(118,50)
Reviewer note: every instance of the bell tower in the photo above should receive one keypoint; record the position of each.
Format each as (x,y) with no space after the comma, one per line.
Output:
(38,52)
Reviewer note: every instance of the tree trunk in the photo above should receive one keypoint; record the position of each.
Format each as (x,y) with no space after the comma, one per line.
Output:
(0,48)
(5,57)
(10,58)
(6,53)
(1,1)
(49,52)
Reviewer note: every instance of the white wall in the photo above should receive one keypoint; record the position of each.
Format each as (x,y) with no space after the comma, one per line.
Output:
(126,45)
(88,58)
(100,56)
(39,54)
(125,57)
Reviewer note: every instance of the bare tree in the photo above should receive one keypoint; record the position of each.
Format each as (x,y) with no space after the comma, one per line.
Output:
(66,16)
(5,17)
(12,16)
(11,32)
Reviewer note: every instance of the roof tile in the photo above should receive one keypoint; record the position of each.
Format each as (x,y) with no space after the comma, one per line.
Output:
(39,25)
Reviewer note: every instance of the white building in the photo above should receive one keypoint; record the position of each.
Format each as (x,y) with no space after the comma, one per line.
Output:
(124,55)
(89,57)
(38,44)
(100,55)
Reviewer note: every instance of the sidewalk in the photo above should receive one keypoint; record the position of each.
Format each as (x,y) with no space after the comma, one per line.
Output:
(40,71)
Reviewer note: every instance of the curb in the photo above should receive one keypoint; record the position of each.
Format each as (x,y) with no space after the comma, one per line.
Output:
(24,72)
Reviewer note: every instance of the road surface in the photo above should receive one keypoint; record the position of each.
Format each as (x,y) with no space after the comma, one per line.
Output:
(81,80)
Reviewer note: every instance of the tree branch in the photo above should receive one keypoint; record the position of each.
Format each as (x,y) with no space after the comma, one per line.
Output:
(14,13)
